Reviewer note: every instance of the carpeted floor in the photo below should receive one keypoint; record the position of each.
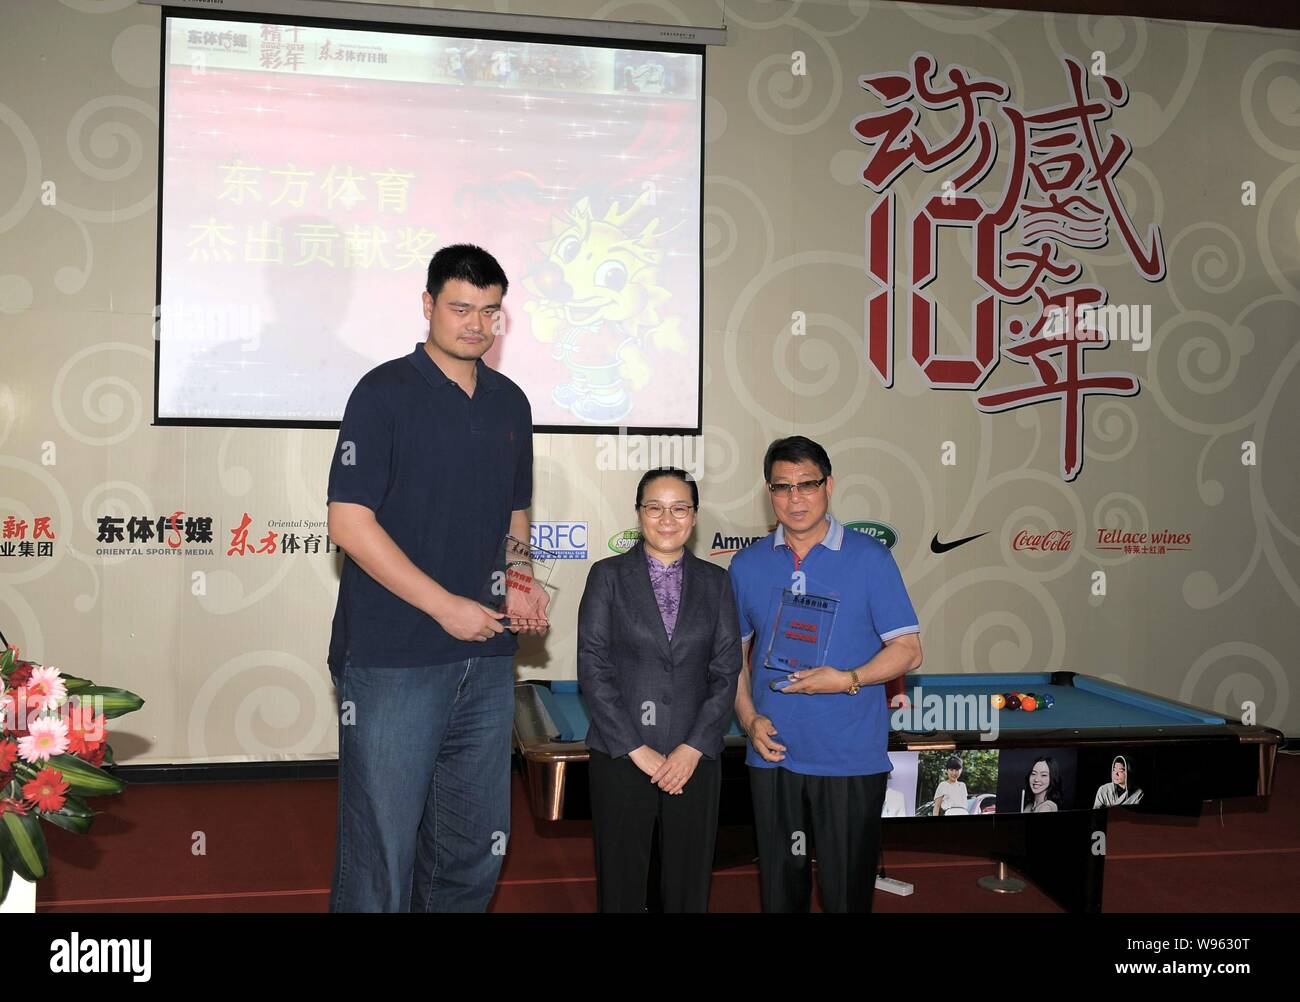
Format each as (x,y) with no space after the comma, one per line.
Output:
(269,847)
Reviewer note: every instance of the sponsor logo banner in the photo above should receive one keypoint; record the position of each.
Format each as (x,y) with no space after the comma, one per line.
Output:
(566,540)
(1052,541)
(723,545)
(623,541)
(881,532)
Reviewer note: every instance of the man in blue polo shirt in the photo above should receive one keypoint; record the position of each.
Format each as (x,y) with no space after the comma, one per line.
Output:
(818,746)
(434,466)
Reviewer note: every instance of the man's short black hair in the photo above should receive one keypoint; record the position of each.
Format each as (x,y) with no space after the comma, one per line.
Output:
(795,449)
(469,264)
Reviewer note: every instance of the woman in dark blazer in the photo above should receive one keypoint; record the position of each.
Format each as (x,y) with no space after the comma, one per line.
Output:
(658,660)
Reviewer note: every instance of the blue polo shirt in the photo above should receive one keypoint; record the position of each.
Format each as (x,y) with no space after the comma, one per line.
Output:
(828,734)
(442,471)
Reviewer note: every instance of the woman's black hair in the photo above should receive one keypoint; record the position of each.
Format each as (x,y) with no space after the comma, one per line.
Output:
(954,763)
(668,471)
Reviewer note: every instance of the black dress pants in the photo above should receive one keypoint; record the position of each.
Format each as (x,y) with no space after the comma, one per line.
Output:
(624,809)
(838,814)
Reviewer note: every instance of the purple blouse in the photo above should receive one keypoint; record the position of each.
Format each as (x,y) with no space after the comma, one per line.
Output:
(666,580)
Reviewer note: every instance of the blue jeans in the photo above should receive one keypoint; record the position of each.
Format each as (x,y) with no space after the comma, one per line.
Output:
(424,786)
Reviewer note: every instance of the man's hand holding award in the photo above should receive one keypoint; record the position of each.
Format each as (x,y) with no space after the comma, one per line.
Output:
(800,640)
(516,585)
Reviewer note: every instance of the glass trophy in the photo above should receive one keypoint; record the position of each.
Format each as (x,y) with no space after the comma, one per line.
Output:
(801,635)
(517,569)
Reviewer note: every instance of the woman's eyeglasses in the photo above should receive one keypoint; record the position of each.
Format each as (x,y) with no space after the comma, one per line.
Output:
(806,489)
(654,509)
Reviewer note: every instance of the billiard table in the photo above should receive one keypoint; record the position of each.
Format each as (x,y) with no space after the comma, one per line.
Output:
(1187,756)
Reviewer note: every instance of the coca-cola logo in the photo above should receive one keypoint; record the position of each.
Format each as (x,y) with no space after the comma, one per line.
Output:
(1052,541)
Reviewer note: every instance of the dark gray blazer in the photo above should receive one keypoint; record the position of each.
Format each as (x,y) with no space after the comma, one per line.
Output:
(641,688)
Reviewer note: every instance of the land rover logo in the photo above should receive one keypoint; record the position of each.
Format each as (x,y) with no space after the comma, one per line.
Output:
(878,531)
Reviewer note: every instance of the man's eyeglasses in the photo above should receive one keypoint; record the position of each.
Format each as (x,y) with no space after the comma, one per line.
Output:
(655,510)
(806,489)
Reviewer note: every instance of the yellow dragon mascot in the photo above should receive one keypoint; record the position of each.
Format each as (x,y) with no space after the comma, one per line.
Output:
(597,300)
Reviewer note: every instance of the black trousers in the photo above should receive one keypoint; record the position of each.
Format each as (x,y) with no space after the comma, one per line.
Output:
(624,809)
(840,815)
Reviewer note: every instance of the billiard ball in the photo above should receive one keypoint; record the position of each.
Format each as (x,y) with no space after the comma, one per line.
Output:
(1013,702)
(998,701)
(1048,702)
(1029,704)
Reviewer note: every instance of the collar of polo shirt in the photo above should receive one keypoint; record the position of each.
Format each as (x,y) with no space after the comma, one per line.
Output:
(833,539)
(428,368)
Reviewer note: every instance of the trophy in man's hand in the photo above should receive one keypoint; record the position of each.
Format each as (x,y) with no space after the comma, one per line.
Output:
(516,584)
(801,632)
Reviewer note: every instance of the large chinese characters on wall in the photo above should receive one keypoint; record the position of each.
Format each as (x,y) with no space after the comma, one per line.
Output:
(1058,196)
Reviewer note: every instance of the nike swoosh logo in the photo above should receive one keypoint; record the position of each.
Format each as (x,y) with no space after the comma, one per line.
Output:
(938,547)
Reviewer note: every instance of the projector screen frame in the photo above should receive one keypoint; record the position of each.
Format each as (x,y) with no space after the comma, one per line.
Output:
(172,10)
(467,20)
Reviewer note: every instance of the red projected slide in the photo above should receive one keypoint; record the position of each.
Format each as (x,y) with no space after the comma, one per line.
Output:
(310,173)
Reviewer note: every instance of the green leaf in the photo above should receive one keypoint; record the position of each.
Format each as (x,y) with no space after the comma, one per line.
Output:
(23,845)
(73,684)
(84,779)
(75,816)
(6,878)
(112,702)
(7,660)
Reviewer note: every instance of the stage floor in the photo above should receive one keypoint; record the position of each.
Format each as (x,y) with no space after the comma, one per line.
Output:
(270,848)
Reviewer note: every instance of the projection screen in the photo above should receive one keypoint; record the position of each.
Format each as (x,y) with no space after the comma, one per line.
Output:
(310,170)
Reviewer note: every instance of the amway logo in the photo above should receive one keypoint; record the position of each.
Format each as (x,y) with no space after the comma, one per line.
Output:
(730,544)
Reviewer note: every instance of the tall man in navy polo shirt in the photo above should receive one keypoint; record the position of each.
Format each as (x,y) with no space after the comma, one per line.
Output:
(817,756)
(434,465)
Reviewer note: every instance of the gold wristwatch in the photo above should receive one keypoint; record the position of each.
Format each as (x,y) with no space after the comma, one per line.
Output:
(854,685)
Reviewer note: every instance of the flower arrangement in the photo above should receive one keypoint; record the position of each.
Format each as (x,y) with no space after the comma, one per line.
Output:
(53,750)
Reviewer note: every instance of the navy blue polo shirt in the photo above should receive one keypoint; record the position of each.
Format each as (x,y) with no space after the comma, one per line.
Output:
(827,734)
(442,471)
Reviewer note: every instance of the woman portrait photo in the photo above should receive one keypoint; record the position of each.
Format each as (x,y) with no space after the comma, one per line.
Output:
(1042,791)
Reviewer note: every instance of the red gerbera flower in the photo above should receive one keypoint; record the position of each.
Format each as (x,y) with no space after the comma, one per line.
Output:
(48,791)
(84,736)
(8,754)
(8,806)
